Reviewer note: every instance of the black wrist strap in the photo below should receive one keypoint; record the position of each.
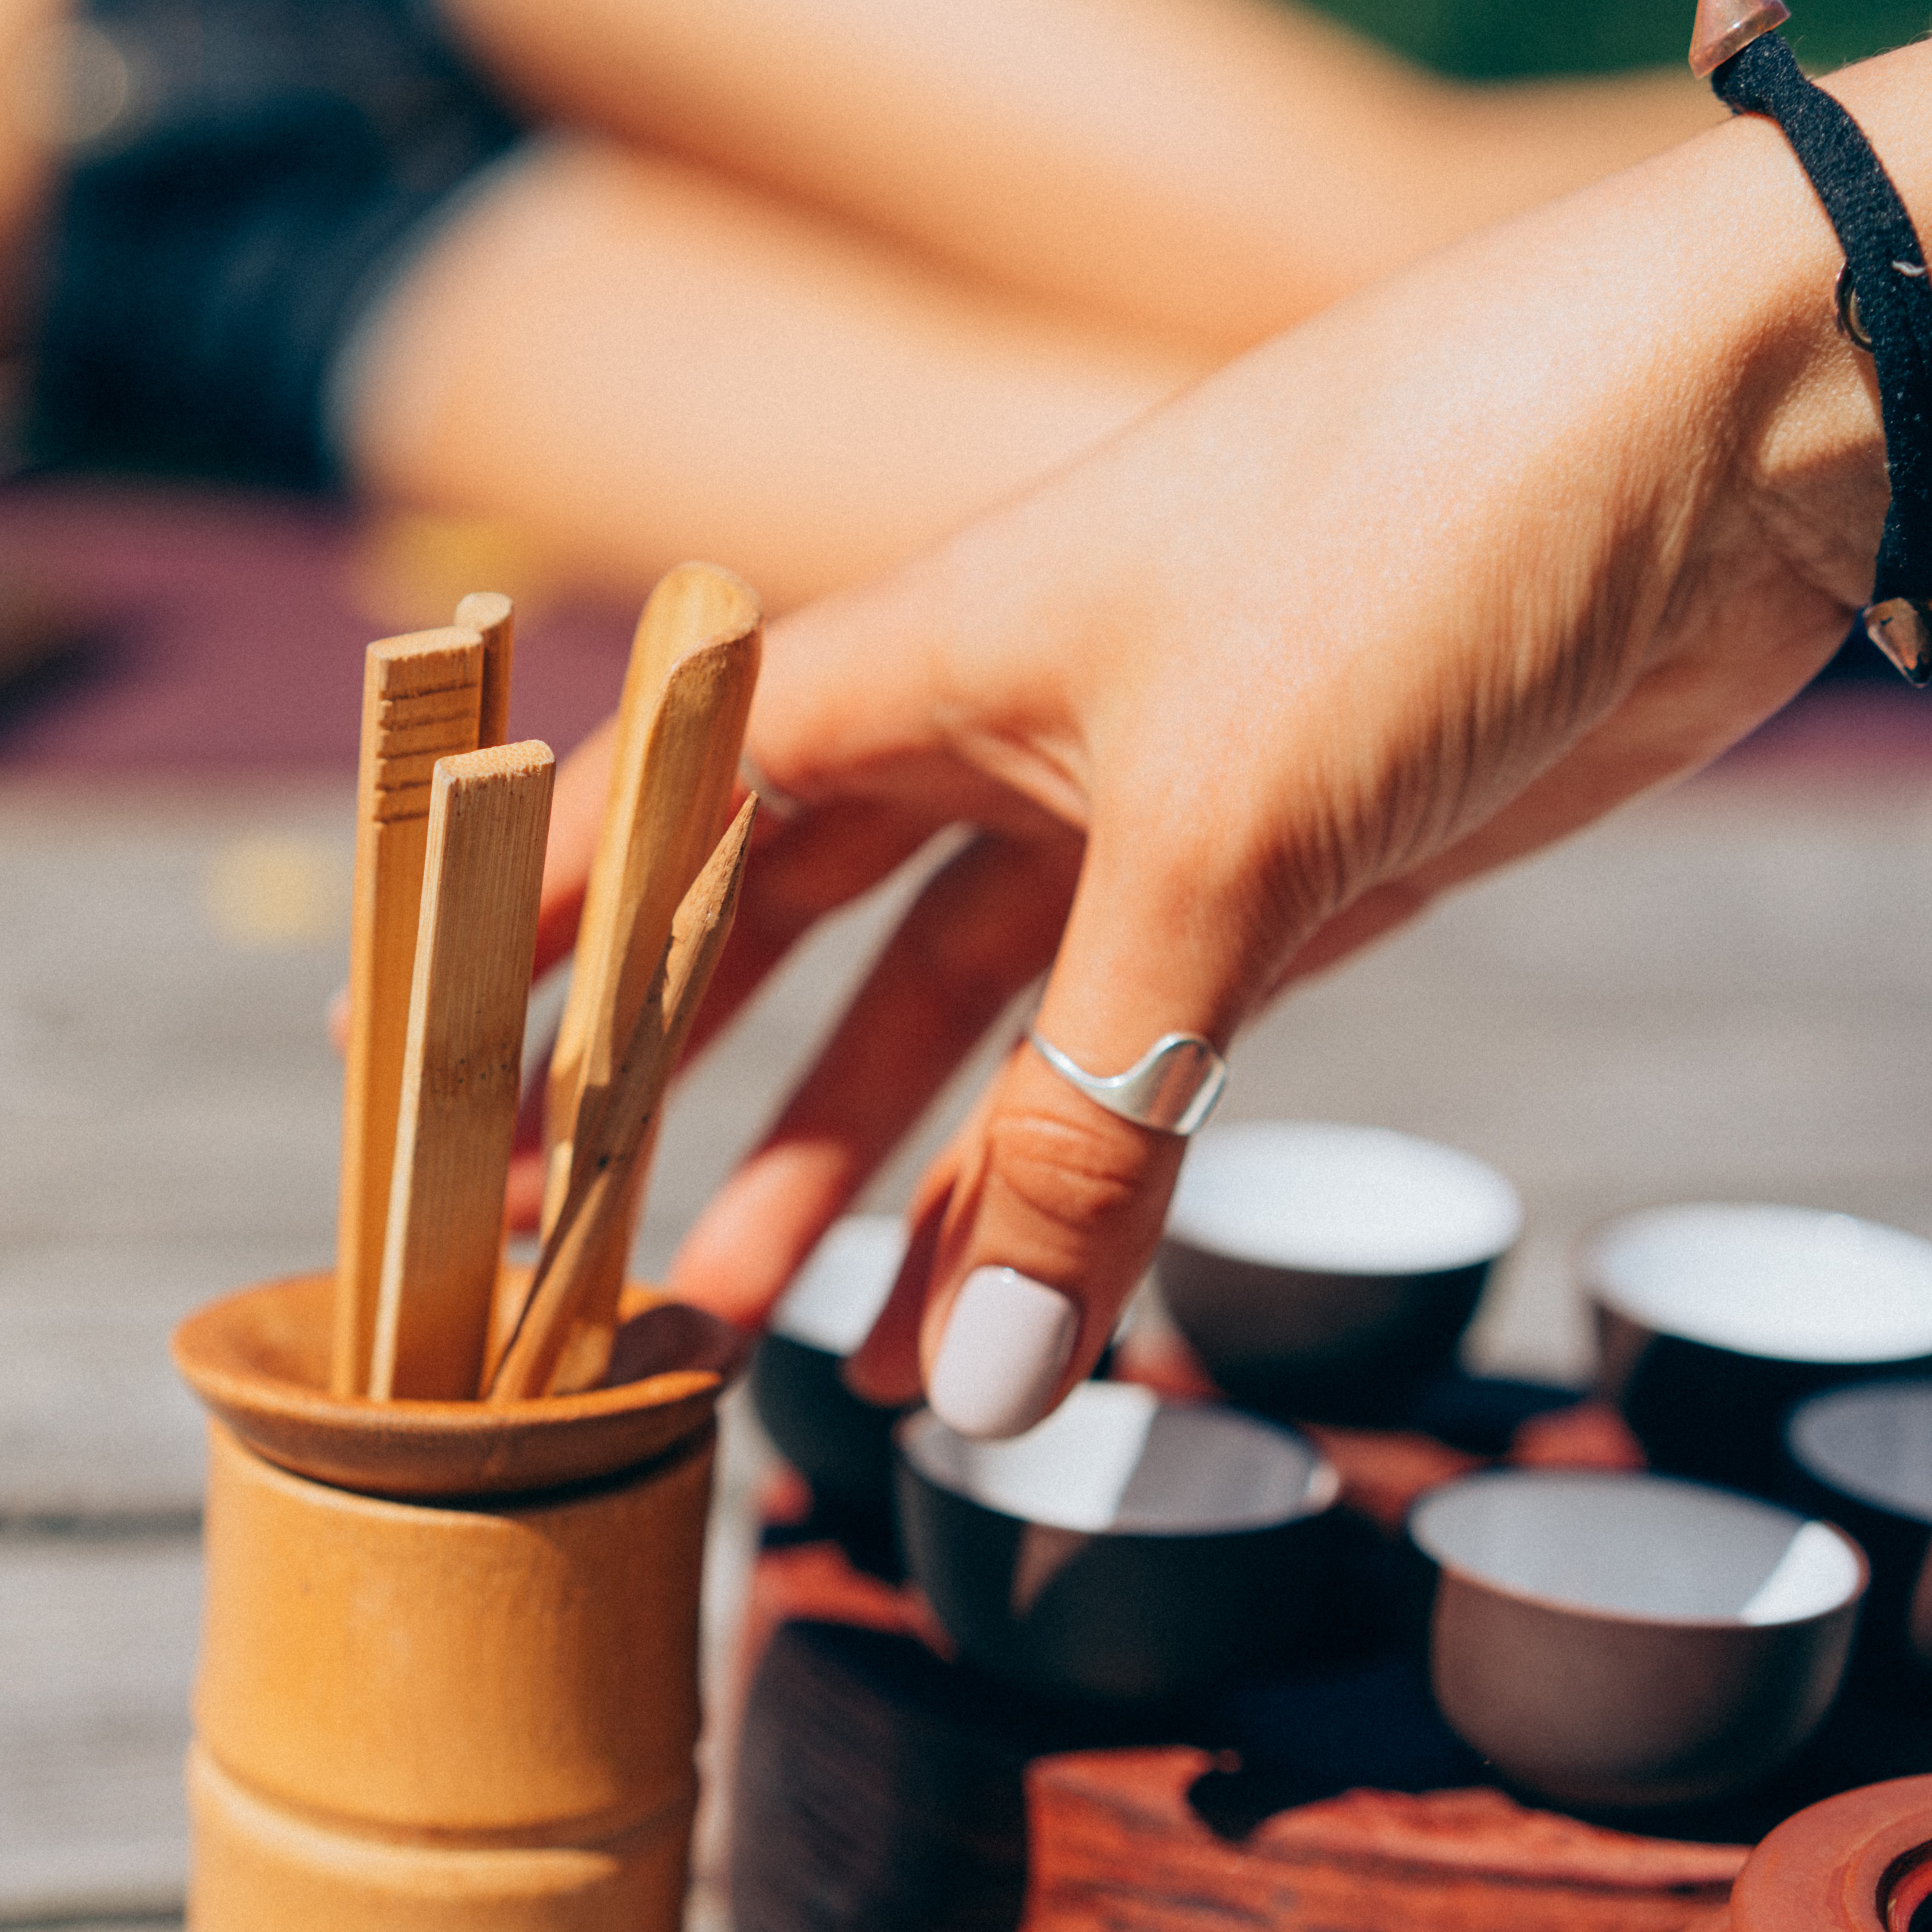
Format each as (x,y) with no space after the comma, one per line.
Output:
(1887,308)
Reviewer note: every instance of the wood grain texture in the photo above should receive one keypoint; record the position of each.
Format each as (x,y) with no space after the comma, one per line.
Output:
(493,618)
(489,814)
(421,694)
(680,731)
(875,1772)
(1114,1844)
(606,1173)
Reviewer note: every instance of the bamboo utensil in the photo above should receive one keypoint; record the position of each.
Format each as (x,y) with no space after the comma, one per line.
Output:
(607,1172)
(489,813)
(680,730)
(421,695)
(493,617)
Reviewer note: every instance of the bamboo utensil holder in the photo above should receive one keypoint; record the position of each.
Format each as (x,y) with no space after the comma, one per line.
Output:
(448,1663)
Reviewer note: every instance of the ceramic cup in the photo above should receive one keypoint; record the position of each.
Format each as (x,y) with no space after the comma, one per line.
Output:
(842,1446)
(1865,1455)
(447,1677)
(1329,1272)
(1714,1318)
(1128,1548)
(1613,1640)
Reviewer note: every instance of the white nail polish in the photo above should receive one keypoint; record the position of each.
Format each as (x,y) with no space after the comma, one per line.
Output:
(1006,1344)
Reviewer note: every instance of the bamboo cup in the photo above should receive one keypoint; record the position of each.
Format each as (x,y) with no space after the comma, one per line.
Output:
(448,1661)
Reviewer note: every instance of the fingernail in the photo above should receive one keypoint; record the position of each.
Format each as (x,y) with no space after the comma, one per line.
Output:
(1006,1344)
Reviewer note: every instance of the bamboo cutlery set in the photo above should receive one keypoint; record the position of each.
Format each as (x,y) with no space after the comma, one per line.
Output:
(450,830)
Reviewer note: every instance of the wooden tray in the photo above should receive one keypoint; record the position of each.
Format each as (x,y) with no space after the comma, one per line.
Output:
(880,1785)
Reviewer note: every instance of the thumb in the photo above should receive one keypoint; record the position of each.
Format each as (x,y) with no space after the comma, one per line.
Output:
(1052,1204)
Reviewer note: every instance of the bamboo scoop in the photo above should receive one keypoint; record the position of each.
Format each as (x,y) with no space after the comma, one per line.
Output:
(420,698)
(609,1170)
(680,729)
(488,817)
(493,617)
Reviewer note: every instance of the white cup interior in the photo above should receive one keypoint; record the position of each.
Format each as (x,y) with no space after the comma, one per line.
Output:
(1642,1546)
(1791,1284)
(1114,1457)
(834,1298)
(1342,1200)
(1873,1442)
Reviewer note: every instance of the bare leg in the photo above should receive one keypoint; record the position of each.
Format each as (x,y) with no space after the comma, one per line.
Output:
(1208,170)
(635,362)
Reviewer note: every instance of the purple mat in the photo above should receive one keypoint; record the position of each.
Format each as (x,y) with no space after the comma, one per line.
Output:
(212,632)
(208,633)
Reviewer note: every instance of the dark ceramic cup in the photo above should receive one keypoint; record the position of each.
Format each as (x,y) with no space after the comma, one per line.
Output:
(1863,1457)
(842,1446)
(1615,1640)
(1714,1318)
(1328,1272)
(1128,1548)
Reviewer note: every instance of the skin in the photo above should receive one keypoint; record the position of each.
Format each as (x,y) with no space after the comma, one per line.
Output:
(27,133)
(804,288)
(1551,517)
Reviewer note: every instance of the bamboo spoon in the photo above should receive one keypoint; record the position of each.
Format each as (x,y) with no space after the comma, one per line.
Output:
(680,730)
(488,817)
(420,694)
(493,617)
(610,1167)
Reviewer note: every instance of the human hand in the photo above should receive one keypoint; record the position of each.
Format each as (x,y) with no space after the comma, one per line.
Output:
(1557,515)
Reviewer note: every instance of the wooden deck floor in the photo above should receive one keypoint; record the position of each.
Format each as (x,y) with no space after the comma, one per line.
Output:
(1719,994)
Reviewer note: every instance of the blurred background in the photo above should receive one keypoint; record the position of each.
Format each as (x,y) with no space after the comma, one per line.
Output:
(1718,993)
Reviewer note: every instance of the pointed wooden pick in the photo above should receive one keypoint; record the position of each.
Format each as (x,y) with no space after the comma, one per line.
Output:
(603,1173)
(1726,27)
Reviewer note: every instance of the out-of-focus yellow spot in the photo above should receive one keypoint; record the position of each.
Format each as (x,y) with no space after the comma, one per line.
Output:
(410,570)
(273,893)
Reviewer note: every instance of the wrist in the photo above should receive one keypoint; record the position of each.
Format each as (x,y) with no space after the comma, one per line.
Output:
(1820,446)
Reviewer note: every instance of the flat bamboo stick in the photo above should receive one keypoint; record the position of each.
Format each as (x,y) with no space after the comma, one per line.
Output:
(420,699)
(493,618)
(488,817)
(608,1173)
(680,730)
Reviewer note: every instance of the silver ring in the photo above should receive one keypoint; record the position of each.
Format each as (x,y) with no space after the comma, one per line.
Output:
(1172,1087)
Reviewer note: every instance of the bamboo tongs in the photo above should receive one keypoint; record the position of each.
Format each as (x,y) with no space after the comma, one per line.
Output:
(680,730)
(609,1152)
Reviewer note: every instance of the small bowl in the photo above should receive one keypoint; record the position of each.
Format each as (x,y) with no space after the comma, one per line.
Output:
(1127,1549)
(1613,1640)
(1328,1272)
(842,1445)
(1863,1455)
(1714,1318)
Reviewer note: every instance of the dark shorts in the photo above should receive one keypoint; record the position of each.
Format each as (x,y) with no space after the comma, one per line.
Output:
(214,247)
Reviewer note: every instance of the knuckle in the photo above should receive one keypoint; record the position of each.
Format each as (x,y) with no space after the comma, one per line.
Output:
(1084,1185)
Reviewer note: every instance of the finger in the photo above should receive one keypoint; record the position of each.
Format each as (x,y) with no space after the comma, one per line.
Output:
(984,927)
(1056,1203)
(810,866)
(884,1369)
